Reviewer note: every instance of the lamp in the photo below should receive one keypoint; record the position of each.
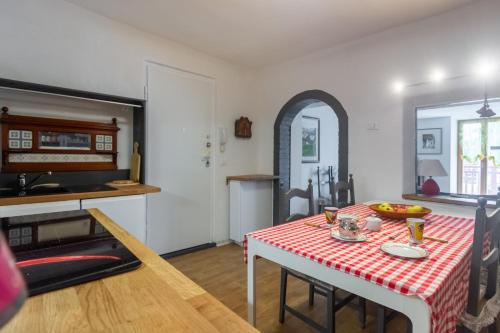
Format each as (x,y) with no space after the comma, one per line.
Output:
(430,168)
(485,111)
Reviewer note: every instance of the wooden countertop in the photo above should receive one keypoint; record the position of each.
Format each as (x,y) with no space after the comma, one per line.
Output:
(249,178)
(153,298)
(120,191)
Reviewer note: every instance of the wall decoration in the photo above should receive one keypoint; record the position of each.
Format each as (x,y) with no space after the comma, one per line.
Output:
(42,144)
(310,139)
(243,128)
(429,141)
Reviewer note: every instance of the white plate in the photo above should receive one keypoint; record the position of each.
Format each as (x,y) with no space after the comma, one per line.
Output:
(404,250)
(361,237)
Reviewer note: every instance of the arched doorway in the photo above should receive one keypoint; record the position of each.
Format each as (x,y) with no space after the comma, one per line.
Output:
(282,142)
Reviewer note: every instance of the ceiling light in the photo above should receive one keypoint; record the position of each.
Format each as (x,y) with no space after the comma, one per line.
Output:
(485,67)
(398,86)
(437,75)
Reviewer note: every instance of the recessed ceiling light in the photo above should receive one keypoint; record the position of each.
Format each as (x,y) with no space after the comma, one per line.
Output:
(437,75)
(398,86)
(485,68)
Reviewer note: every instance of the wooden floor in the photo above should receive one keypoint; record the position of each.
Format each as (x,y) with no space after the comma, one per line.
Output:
(222,272)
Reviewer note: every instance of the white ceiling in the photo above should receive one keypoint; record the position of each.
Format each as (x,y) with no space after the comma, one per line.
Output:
(262,32)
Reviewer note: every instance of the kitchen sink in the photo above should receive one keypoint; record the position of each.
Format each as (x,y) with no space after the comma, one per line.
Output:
(10,192)
(48,190)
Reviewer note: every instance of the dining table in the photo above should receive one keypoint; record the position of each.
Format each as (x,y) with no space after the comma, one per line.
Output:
(430,291)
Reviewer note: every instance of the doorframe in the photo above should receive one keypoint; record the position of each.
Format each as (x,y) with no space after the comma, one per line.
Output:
(213,81)
(282,143)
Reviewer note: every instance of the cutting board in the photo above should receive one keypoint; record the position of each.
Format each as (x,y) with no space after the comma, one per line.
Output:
(135,163)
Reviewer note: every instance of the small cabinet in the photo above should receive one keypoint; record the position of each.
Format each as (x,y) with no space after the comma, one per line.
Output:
(250,207)
(39,208)
(127,211)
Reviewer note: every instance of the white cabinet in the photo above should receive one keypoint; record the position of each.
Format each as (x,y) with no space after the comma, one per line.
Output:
(39,208)
(128,211)
(250,207)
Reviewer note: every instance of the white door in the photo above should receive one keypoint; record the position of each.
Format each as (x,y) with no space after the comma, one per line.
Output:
(180,109)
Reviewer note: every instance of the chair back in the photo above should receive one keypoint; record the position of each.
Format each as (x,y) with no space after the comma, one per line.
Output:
(485,226)
(298,193)
(342,192)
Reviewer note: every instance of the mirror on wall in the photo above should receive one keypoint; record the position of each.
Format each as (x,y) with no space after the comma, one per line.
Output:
(458,149)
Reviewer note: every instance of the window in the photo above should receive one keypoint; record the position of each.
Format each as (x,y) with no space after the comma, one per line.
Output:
(467,146)
(479,156)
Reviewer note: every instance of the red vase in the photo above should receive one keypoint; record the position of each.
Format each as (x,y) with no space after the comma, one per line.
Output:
(430,187)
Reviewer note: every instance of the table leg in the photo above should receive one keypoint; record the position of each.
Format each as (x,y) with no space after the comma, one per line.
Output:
(251,301)
(420,318)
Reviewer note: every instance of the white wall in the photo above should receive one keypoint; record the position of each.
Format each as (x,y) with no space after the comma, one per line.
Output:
(359,75)
(329,143)
(56,43)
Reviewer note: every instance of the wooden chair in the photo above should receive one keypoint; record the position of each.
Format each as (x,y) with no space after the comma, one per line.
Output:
(298,193)
(315,286)
(342,193)
(483,304)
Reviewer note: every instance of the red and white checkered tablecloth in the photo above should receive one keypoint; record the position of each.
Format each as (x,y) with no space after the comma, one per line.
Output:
(441,280)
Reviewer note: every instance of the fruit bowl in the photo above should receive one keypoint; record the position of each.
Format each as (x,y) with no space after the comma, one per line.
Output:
(399,211)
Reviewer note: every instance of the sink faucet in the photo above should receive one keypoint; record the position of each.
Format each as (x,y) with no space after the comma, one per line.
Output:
(21,179)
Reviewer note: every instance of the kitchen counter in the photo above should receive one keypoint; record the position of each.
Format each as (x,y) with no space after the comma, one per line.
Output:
(119,191)
(250,178)
(153,298)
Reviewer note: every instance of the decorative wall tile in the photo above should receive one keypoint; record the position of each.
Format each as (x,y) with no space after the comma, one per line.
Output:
(27,144)
(27,135)
(14,134)
(59,158)
(14,144)
(99,146)
(108,138)
(99,138)
(108,146)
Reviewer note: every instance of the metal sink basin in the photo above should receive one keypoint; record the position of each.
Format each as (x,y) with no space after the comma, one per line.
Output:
(46,190)
(89,188)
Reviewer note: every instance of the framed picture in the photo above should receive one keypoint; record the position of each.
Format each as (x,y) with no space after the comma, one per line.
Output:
(310,139)
(430,141)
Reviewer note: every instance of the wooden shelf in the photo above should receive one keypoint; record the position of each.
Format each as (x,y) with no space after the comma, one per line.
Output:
(446,199)
(249,178)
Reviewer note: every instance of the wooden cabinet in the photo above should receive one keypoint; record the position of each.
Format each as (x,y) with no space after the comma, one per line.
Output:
(39,208)
(128,211)
(42,144)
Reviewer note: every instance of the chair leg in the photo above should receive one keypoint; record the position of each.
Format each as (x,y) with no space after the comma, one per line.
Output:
(330,314)
(493,327)
(311,294)
(283,283)
(380,319)
(362,311)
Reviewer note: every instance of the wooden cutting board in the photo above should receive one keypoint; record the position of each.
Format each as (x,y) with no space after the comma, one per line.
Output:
(135,163)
